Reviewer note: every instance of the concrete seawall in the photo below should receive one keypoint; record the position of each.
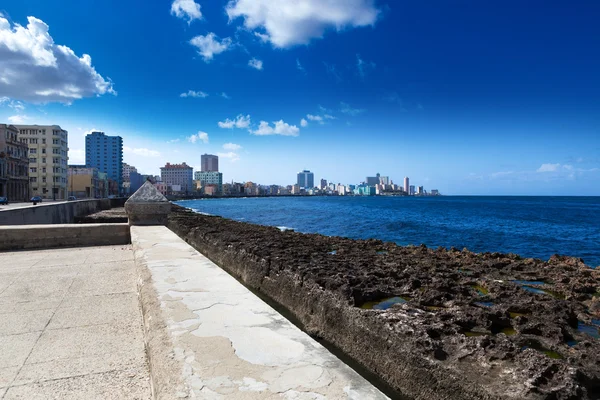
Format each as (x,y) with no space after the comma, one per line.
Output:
(57,213)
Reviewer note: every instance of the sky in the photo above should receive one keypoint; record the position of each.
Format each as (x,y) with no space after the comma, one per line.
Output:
(467,97)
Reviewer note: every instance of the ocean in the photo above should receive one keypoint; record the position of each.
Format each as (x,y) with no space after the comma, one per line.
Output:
(529,226)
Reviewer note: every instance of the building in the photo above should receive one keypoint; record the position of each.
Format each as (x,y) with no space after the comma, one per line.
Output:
(14,151)
(435,192)
(127,170)
(209,163)
(178,175)
(384,180)
(105,153)
(136,180)
(210,178)
(420,190)
(406,185)
(411,190)
(84,182)
(323,184)
(306,179)
(373,180)
(48,160)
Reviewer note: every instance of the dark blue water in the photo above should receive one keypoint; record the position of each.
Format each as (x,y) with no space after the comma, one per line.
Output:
(530,226)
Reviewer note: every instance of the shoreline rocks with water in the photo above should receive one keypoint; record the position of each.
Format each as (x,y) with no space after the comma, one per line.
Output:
(459,325)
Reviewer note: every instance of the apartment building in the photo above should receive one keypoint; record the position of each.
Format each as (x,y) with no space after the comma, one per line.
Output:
(14,177)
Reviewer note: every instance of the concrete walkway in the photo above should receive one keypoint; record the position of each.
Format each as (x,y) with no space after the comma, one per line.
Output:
(227,342)
(70,325)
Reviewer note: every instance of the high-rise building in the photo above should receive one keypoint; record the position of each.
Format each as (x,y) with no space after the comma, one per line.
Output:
(210,178)
(373,180)
(48,160)
(127,170)
(420,190)
(14,167)
(306,179)
(406,185)
(180,175)
(209,163)
(323,184)
(411,190)
(384,180)
(105,153)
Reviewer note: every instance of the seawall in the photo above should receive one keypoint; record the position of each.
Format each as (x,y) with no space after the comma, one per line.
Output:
(463,328)
(57,213)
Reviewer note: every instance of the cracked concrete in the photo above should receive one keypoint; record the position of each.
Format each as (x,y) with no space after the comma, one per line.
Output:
(222,340)
(70,325)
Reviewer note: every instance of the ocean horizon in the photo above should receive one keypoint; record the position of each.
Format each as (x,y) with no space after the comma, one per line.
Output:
(531,226)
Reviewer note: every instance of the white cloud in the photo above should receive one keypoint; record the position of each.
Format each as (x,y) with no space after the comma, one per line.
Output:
(186,9)
(303,123)
(200,136)
(15,105)
(144,152)
(18,119)
(33,68)
(232,146)
(299,66)
(240,122)
(263,38)
(327,116)
(173,141)
(76,156)
(346,109)
(548,168)
(256,64)
(293,22)
(210,45)
(280,128)
(314,117)
(90,131)
(233,157)
(193,93)
(363,66)
(225,96)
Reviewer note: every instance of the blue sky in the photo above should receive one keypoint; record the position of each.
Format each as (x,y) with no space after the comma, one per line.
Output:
(467,97)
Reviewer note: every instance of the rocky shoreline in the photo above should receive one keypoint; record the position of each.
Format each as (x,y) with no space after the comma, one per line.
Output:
(432,323)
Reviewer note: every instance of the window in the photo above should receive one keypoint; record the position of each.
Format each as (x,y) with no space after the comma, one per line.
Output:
(33,169)
(32,151)
(33,160)
(43,179)
(44,170)
(44,160)
(33,179)
(43,141)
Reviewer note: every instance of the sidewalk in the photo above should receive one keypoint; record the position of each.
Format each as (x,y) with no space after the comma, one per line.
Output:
(70,325)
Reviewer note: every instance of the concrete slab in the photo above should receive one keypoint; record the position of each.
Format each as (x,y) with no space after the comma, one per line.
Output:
(227,342)
(71,327)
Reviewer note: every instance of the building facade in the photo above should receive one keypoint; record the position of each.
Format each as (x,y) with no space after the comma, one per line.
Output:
(406,185)
(373,180)
(105,153)
(14,152)
(210,178)
(48,160)
(84,182)
(209,163)
(178,175)
(306,179)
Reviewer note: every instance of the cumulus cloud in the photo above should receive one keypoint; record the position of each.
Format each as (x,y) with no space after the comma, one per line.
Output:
(193,93)
(232,146)
(76,156)
(346,109)
(186,9)
(210,45)
(144,152)
(18,119)
(33,68)
(200,136)
(241,122)
(315,118)
(256,64)
(292,22)
(303,123)
(280,128)
(233,157)
(548,168)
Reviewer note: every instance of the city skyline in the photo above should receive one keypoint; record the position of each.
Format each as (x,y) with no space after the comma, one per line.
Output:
(454,103)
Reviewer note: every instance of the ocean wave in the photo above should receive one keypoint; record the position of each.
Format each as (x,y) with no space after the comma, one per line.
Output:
(285,228)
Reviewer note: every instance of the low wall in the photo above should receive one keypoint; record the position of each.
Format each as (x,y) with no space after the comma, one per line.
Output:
(57,213)
(23,237)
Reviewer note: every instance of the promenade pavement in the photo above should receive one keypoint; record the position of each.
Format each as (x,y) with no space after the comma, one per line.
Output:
(70,325)
(21,204)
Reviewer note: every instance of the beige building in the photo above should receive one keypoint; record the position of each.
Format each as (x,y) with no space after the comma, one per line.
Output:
(48,160)
(84,183)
